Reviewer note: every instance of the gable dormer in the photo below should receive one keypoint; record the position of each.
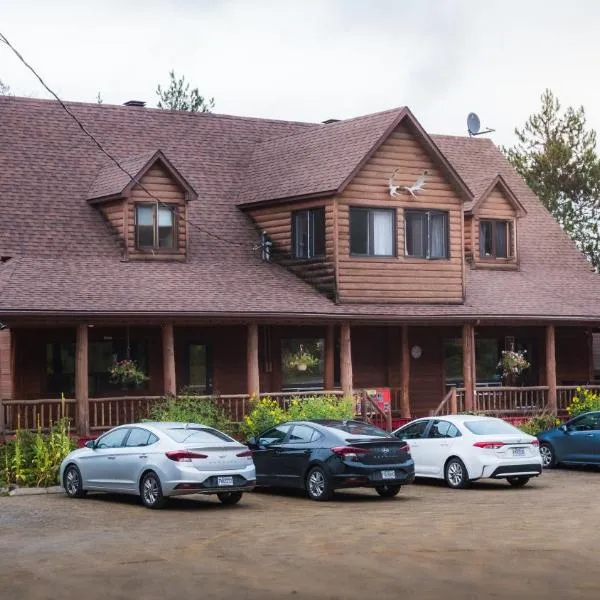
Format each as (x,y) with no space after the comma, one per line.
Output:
(491,227)
(145,204)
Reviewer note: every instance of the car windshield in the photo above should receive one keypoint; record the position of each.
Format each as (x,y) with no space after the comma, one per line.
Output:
(197,435)
(357,428)
(490,427)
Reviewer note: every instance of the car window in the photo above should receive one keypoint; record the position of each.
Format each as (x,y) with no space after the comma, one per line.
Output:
(356,428)
(112,439)
(491,427)
(587,422)
(412,431)
(274,435)
(200,435)
(140,437)
(443,429)
(301,434)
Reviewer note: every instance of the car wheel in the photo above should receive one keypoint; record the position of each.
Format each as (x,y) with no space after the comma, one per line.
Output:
(151,491)
(517,481)
(548,456)
(388,491)
(229,497)
(318,485)
(73,483)
(455,474)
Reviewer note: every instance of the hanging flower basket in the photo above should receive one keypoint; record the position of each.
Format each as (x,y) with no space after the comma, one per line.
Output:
(302,361)
(512,364)
(126,372)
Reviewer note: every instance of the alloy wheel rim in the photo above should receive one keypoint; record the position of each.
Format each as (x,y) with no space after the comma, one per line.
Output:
(316,483)
(72,481)
(150,490)
(546,455)
(455,473)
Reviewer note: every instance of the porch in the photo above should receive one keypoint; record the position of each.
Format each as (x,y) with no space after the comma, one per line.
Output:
(429,369)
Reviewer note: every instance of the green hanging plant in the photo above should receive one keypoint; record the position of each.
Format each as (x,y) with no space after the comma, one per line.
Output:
(127,372)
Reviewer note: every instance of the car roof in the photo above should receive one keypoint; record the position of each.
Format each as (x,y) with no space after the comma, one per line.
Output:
(161,425)
(456,418)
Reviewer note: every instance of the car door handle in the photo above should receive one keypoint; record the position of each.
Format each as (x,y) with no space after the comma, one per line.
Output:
(111,457)
(143,456)
(589,435)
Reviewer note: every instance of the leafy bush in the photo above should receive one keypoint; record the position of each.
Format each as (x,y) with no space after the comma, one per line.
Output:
(267,412)
(33,459)
(583,401)
(191,409)
(539,423)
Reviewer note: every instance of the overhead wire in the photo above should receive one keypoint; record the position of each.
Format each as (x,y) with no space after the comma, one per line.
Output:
(99,145)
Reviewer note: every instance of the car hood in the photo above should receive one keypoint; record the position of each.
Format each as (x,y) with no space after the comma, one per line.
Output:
(549,432)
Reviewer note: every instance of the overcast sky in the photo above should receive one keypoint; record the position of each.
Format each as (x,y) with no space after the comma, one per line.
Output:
(310,60)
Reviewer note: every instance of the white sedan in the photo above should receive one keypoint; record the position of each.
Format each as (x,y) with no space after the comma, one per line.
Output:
(463,448)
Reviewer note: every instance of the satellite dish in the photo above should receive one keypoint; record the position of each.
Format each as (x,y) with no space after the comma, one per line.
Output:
(474,125)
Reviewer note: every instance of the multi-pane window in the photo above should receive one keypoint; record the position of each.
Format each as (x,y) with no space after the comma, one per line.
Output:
(372,231)
(426,234)
(495,239)
(155,226)
(308,233)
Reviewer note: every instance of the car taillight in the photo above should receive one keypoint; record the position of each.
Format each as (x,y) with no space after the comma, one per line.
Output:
(184,455)
(535,443)
(489,445)
(245,453)
(349,452)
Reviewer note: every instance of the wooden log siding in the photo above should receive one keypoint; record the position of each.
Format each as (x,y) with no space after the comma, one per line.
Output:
(114,213)
(496,206)
(400,278)
(159,183)
(277,222)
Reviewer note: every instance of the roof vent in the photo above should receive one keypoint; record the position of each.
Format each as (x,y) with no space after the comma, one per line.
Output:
(139,103)
(328,121)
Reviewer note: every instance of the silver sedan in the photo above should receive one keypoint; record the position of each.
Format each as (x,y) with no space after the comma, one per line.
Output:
(159,460)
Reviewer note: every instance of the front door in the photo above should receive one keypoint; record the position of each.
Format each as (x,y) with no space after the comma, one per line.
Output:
(293,456)
(414,434)
(199,376)
(101,467)
(437,447)
(581,440)
(267,454)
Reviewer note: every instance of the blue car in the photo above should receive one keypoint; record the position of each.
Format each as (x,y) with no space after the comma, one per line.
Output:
(576,442)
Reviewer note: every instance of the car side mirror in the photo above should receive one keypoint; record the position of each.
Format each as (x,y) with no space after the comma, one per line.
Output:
(90,444)
(564,428)
(252,441)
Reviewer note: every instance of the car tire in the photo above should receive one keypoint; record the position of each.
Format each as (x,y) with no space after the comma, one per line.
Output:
(456,474)
(517,481)
(388,491)
(73,483)
(229,498)
(548,456)
(318,485)
(151,491)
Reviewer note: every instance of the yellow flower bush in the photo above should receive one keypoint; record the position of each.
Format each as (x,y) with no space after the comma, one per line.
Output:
(583,401)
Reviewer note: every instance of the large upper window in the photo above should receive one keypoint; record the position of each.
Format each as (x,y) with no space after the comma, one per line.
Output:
(308,233)
(495,239)
(426,233)
(372,231)
(154,227)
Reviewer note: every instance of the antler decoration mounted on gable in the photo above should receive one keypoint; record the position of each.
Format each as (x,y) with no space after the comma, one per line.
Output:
(417,186)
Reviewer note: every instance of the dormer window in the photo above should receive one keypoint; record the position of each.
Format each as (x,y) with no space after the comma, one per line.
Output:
(155,227)
(495,239)
(308,233)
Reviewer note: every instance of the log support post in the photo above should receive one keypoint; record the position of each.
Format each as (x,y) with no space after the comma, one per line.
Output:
(551,367)
(468,348)
(405,375)
(328,375)
(168,345)
(346,360)
(81,380)
(252,369)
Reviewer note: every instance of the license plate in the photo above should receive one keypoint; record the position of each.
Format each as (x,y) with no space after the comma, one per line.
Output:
(388,474)
(224,480)
(518,451)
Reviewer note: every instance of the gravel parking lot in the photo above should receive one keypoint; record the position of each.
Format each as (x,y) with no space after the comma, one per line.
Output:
(491,541)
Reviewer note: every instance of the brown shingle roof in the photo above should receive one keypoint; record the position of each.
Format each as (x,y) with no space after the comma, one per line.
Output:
(66,261)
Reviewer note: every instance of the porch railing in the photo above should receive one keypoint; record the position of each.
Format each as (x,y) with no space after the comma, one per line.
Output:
(33,414)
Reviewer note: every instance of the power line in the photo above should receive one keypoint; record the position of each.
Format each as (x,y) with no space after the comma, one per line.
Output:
(107,154)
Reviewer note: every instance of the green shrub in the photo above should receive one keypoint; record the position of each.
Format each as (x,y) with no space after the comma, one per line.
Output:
(33,459)
(583,401)
(191,409)
(539,423)
(267,412)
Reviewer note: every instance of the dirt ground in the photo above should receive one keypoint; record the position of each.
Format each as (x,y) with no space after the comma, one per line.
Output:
(492,541)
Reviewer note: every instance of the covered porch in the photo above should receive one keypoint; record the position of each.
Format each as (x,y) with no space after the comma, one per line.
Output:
(52,369)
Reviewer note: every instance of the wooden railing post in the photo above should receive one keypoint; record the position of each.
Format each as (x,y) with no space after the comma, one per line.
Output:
(453,401)
(253,372)
(328,374)
(81,380)
(551,367)
(405,375)
(168,344)
(2,422)
(468,362)
(346,360)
